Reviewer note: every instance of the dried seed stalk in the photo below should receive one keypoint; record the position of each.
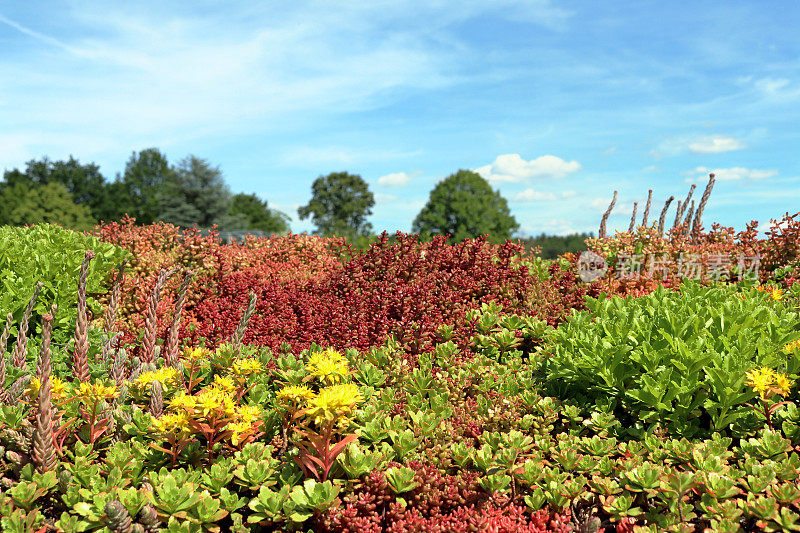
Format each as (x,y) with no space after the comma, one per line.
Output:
(698,217)
(602,232)
(647,207)
(20,348)
(238,335)
(663,216)
(687,226)
(149,342)
(156,399)
(44,451)
(172,341)
(4,396)
(632,225)
(81,349)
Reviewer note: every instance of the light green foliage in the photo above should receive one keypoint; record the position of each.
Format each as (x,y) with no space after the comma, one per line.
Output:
(465,206)
(24,204)
(675,359)
(340,204)
(52,255)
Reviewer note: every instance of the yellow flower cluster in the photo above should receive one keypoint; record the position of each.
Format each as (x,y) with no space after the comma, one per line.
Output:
(96,391)
(212,403)
(767,382)
(57,388)
(774,293)
(329,366)
(334,402)
(792,346)
(245,367)
(167,376)
(295,394)
(194,355)
(178,423)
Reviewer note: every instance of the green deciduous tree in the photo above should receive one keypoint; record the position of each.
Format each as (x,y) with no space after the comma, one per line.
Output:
(255,214)
(24,204)
(194,193)
(464,206)
(141,187)
(340,204)
(84,183)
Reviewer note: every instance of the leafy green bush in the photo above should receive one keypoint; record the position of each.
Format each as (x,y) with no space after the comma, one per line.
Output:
(52,255)
(675,359)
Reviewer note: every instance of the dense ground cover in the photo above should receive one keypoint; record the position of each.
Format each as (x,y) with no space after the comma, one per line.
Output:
(294,383)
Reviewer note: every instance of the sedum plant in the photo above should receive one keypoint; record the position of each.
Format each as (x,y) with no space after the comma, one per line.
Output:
(673,359)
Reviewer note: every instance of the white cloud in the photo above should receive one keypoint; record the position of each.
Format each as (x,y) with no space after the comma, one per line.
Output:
(710,144)
(380,197)
(609,151)
(513,168)
(395,179)
(569,194)
(732,174)
(715,144)
(530,195)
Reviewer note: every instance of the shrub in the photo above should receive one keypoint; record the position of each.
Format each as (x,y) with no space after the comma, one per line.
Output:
(52,255)
(675,359)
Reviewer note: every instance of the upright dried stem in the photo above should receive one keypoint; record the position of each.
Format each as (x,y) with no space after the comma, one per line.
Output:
(156,399)
(20,348)
(4,396)
(678,212)
(687,222)
(632,225)
(118,368)
(81,350)
(151,322)
(698,217)
(663,216)
(238,335)
(647,207)
(685,203)
(110,317)
(44,451)
(172,341)
(602,232)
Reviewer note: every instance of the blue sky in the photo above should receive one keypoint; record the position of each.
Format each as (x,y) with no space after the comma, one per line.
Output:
(556,103)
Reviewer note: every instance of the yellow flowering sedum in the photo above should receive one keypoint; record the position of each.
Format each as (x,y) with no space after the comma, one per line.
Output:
(196,354)
(334,402)
(172,423)
(245,367)
(792,346)
(96,391)
(224,384)
(167,376)
(329,366)
(767,382)
(295,394)
(57,388)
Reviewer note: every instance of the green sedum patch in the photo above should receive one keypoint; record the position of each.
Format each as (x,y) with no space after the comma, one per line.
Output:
(675,360)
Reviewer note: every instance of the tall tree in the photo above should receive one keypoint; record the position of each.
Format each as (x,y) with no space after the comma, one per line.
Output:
(256,214)
(145,175)
(86,185)
(464,206)
(23,203)
(195,193)
(340,204)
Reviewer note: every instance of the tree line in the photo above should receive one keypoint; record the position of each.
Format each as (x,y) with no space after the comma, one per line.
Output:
(193,192)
